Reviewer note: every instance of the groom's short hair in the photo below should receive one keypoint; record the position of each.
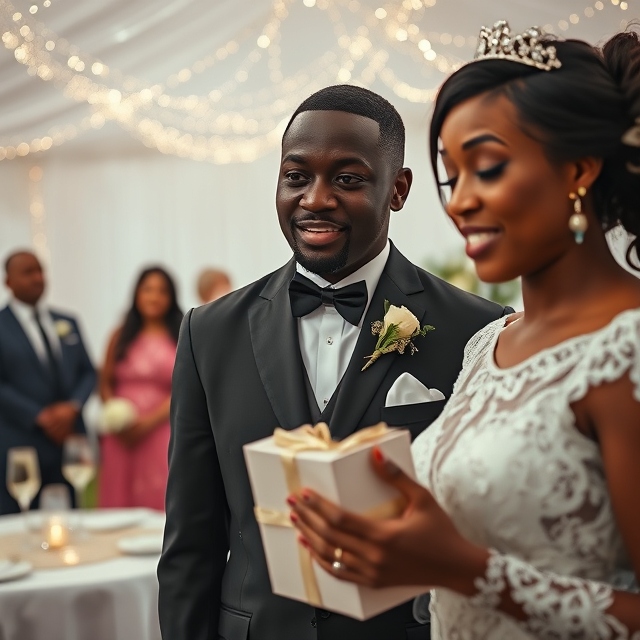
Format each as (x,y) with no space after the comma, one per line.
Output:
(361,102)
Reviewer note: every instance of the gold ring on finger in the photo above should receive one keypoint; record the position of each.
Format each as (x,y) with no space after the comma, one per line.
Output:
(337,557)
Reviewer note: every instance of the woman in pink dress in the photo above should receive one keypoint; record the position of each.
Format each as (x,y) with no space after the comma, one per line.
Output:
(138,367)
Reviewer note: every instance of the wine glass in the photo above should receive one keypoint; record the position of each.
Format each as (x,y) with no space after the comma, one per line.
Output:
(78,467)
(23,477)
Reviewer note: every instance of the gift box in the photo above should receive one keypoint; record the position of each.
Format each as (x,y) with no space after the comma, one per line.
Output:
(341,472)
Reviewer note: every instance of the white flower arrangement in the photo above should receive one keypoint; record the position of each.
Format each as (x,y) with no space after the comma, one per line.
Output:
(117,414)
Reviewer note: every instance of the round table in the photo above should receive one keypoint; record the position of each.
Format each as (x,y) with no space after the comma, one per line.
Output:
(111,600)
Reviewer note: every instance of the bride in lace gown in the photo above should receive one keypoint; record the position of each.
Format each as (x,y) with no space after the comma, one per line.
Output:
(532,471)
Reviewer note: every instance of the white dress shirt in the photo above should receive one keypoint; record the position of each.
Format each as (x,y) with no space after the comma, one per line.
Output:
(327,340)
(24,313)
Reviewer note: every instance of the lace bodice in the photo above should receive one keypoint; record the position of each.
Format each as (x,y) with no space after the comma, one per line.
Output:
(508,464)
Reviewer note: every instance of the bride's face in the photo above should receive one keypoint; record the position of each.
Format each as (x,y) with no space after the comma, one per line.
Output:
(506,198)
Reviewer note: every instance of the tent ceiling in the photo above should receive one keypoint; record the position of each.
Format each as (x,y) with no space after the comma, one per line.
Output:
(181,51)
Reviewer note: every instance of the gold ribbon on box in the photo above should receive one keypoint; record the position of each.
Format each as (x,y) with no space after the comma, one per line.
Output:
(318,438)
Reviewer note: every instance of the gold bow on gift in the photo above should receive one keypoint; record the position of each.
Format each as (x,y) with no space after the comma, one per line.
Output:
(318,438)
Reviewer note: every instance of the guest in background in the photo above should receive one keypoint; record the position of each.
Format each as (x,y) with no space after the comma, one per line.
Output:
(46,375)
(213,284)
(138,367)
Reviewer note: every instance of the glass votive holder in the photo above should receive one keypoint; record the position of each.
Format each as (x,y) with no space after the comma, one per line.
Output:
(55,497)
(56,532)
(55,506)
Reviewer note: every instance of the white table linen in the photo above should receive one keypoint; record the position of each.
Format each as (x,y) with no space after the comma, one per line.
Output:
(112,600)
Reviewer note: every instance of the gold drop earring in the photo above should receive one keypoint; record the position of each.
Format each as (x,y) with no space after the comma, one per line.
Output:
(578,222)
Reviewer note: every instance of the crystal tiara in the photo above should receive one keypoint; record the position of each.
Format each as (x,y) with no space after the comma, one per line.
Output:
(497,43)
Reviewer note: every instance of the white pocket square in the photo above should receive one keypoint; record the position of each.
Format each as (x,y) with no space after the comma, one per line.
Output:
(409,390)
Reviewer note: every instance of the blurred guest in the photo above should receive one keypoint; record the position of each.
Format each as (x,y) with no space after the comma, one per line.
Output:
(138,367)
(213,284)
(46,375)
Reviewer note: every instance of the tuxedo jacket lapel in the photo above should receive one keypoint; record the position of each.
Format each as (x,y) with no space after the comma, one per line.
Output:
(64,355)
(23,339)
(274,337)
(398,284)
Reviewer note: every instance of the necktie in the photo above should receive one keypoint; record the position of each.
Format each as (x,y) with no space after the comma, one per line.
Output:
(306,296)
(52,360)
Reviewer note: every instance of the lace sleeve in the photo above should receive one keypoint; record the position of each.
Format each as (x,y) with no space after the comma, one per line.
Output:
(557,607)
(480,341)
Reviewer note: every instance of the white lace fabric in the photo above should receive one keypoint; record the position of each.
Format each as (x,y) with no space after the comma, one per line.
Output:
(507,462)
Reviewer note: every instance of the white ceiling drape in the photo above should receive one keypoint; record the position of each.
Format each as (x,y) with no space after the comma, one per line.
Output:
(172,156)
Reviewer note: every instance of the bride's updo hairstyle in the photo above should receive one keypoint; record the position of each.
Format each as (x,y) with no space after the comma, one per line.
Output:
(584,108)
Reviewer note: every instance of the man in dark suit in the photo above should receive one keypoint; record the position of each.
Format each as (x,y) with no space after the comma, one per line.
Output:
(289,349)
(45,374)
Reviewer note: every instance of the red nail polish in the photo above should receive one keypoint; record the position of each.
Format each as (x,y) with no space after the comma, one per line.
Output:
(306,495)
(377,454)
(294,517)
(291,501)
(303,542)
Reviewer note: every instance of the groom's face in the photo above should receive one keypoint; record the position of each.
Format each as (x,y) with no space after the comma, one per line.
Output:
(335,191)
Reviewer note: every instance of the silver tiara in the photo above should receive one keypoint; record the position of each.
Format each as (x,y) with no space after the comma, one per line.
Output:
(497,43)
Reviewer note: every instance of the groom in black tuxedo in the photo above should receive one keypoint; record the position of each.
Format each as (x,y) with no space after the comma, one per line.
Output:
(288,350)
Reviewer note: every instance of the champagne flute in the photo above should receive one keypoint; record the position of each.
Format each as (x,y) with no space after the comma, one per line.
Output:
(23,477)
(78,467)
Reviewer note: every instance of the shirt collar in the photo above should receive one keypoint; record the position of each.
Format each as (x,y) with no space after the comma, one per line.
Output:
(369,272)
(23,310)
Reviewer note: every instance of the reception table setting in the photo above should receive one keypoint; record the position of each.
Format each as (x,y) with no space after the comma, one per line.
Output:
(75,574)
(98,585)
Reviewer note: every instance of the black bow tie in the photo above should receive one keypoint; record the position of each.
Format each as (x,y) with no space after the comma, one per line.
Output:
(306,296)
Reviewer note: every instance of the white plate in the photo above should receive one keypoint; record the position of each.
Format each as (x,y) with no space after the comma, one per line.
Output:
(10,570)
(106,521)
(141,545)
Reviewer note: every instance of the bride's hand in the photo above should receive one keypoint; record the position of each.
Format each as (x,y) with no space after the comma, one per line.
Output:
(419,547)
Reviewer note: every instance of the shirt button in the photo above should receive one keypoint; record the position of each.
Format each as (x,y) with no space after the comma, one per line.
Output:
(326,401)
(324,614)
(329,340)
(314,622)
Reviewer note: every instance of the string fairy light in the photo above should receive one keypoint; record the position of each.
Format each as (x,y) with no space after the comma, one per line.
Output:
(589,11)
(111,103)
(41,63)
(228,124)
(399,22)
(37,214)
(170,140)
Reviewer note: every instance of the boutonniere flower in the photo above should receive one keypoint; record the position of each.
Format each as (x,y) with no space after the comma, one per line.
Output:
(63,328)
(396,332)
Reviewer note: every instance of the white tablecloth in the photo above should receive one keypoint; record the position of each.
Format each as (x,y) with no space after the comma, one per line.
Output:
(113,600)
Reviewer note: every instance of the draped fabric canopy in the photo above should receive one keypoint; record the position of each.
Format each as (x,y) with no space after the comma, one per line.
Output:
(138,132)
(230,73)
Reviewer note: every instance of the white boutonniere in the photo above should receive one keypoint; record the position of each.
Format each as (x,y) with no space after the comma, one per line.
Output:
(63,328)
(395,332)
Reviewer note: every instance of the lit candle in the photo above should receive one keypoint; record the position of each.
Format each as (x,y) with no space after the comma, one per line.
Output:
(57,533)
